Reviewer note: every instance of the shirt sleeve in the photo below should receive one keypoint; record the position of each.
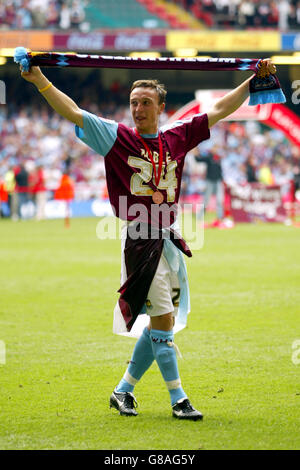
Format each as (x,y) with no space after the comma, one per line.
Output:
(190,132)
(98,133)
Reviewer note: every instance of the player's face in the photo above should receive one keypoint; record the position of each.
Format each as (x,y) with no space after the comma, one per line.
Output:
(145,109)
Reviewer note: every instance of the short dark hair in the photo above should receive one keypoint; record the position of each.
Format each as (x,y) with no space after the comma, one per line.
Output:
(159,87)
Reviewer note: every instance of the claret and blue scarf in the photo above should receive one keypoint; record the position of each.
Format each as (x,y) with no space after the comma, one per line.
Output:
(264,86)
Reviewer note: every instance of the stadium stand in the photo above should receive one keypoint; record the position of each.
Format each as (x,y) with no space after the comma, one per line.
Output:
(92,15)
(120,14)
(77,14)
(240,14)
(176,15)
(40,14)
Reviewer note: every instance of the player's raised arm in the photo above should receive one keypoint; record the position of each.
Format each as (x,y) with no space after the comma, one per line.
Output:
(58,100)
(234,99)
(228,103)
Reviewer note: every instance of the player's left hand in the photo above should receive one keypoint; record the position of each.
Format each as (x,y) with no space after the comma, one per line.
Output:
(268,66)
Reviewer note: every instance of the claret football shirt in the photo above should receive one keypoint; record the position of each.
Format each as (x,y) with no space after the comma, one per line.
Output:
(129,170)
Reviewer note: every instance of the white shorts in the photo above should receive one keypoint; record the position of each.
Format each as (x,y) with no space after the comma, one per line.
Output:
(164,293)
(163,297)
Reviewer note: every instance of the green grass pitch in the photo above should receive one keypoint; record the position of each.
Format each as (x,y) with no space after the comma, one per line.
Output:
(58,288)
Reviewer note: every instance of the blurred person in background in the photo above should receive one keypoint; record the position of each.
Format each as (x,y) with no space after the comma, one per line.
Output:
(283,14)
(39,17)
(39,192)
(22,187)
(251,170)
(23,16)
(247,13)
(65,17)
(3,199)
(263,10)
(77,14)
(10,188)
(265,174)
(214,180)
(52,15)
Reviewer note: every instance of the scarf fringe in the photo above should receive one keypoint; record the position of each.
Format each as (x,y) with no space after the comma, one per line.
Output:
(267,96)
(21,58)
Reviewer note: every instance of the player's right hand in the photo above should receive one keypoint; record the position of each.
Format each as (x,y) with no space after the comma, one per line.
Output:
(34,75)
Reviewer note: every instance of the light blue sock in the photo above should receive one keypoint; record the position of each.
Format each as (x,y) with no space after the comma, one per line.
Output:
(141,360)
(166,359)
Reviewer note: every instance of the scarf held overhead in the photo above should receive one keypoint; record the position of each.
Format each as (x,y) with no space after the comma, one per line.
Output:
(264,86)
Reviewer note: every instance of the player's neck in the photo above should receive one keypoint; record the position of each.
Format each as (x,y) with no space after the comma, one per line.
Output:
(153,131)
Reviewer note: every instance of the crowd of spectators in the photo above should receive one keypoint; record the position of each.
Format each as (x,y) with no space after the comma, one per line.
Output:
(219,14)
(42,14)
(250,152)
(240,14)
(37,140)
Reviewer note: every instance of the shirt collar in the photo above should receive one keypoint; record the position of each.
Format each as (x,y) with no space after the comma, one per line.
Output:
(150,136)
